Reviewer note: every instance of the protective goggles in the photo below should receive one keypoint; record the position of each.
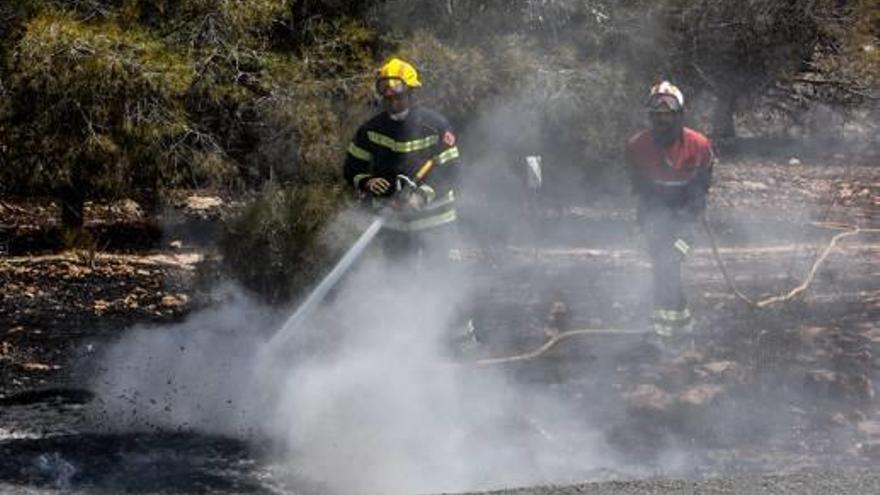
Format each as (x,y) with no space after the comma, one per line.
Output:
(664,104)
(391,86)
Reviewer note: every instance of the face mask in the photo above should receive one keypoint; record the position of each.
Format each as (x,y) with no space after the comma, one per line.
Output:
(666,133)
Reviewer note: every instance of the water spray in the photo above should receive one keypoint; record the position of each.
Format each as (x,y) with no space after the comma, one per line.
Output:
(318,294)
(405,188)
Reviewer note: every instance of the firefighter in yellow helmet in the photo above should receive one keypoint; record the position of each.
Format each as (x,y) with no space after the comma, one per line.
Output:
(405,162)
(406,141)
(670,168)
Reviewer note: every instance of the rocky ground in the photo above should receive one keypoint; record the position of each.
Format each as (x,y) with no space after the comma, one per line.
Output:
(783,390)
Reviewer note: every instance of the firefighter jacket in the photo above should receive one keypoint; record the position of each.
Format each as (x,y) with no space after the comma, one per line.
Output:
(676,177)
(386,148)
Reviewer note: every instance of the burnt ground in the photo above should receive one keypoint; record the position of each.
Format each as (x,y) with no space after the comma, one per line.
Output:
(789,389)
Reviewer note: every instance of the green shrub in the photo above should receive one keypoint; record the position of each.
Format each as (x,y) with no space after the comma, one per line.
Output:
(282,243)
(94,110)
(124,97)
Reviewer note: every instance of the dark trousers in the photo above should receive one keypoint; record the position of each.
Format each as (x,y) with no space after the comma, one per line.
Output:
(669,234)
(428,251)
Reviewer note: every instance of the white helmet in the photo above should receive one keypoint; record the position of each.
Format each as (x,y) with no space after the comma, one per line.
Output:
(666,97)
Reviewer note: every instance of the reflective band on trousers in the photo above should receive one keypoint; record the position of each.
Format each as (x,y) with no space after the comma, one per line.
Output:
(672,316)
(421,223)
(359,153)
(682,246)
(667,330)
(448,155)
(402,146)
(663,330)
(671,183)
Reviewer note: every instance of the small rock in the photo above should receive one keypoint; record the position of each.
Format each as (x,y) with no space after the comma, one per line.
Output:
(39,367)
(648,399)
(873,336)
(689,358)
(794,161)
(869,429)
(797,411)
(701,396)
(129,207)
(100,305)
(728,371)
(175,300)
(175,244)
(839,419)
(203,202)
(754,186)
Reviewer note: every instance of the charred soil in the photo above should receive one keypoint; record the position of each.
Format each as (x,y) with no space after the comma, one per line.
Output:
(754,391)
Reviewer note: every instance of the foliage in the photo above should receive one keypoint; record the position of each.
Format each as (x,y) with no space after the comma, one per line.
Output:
(318,101)
(738,50)
(847,62)
(93,107)
(284,241)
(128,96)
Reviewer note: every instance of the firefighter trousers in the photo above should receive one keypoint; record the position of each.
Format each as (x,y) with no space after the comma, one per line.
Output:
(669,236)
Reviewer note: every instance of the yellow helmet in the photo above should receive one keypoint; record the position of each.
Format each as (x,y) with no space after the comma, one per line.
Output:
(666,97)
(396,76)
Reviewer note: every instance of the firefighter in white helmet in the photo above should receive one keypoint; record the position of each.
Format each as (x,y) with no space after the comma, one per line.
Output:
(670,168)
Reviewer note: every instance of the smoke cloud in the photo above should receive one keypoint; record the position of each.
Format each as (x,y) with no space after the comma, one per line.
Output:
(366,398)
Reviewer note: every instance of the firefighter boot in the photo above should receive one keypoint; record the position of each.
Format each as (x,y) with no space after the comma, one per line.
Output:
(671,322)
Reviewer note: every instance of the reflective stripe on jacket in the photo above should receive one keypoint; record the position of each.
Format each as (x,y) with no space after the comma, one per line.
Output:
(383,147)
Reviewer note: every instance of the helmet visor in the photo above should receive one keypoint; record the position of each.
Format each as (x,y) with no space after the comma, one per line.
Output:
(391,86)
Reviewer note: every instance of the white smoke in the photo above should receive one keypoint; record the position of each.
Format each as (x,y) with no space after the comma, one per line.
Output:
(366,400)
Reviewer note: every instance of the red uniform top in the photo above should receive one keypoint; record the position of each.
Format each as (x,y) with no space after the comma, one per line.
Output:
(673,175)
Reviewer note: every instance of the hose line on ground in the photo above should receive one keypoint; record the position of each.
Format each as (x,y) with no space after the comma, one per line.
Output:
(847,231)
(551,343)
(557,337)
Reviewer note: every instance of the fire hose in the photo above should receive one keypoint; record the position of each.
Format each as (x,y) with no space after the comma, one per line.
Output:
(557,337)
(405,187)
(846,231)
